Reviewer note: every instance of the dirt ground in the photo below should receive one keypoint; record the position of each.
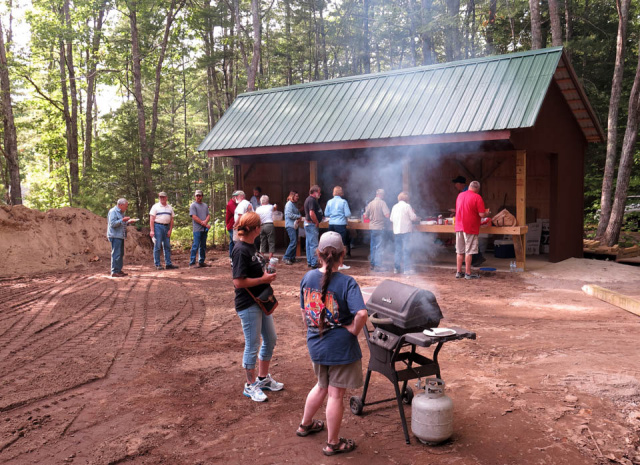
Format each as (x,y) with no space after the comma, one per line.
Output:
(147,370)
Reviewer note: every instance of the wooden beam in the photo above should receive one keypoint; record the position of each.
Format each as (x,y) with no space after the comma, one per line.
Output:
(622,301)
(520,243)
(467,171)
(406,170)
(313,173)
(521,187)
(365,144)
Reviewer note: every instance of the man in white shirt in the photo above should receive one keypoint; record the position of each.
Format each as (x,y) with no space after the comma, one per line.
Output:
(161,224)
(402,216)
(243,207)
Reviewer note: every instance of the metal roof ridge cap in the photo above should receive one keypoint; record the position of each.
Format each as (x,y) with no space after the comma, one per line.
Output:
(394,72)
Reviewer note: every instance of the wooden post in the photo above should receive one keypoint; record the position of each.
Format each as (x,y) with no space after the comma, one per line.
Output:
(405,175)
(313,173)
(520,241)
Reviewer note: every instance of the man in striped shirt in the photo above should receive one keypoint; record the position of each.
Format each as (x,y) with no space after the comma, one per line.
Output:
(161,224)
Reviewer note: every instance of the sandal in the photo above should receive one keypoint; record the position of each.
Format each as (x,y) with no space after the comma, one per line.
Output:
(349,445)
(315,427)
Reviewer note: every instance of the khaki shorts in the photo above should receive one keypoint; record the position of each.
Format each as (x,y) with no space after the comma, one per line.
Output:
(466,244)
(340,376)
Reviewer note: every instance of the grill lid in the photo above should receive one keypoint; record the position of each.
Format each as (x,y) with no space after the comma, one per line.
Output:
(411,309)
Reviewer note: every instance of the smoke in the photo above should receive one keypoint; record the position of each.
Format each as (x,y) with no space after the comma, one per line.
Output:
(431,169)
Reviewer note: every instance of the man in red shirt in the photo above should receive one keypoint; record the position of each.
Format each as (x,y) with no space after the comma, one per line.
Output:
(229,220)
(469,210)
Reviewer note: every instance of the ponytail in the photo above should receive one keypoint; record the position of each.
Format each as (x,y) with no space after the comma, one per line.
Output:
(329,257)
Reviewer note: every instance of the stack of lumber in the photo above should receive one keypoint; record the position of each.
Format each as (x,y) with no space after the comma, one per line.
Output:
(594,247)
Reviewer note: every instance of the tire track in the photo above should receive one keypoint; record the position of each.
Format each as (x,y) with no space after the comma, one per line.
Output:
(51,332)
(42,308)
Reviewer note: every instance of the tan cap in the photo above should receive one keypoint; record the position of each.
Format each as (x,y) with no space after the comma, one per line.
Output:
(237,193)
(331,239)
(198,192)
(380,192)
(163,194)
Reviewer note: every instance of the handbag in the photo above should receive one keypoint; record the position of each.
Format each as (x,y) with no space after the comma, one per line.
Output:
(265,300)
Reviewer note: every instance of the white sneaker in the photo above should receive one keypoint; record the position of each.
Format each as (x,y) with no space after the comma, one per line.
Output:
(269,384)
(254,392)
(343,267)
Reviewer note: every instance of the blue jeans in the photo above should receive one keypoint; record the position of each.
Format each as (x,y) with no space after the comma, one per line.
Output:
(117,254)
(377,239)
(162,240)
(254,324)
(290,253)
(402,258)
(199,245)
(230,242)
(312,233)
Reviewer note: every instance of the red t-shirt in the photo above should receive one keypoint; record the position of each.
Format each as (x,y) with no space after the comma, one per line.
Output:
(228,219)
(468,206)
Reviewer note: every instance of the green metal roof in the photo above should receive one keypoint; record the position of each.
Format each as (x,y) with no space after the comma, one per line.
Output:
(484,94)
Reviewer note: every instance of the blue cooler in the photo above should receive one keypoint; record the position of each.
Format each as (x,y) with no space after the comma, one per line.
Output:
(504,249)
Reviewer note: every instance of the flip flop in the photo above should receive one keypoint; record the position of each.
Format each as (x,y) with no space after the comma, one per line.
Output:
(349,445)
(315,427)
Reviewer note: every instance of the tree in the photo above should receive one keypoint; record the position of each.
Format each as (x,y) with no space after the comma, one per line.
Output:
(612,120)
(612,233)
(10,150)
(536,28)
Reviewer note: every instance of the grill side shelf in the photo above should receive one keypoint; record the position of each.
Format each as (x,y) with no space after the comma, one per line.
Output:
(422,340)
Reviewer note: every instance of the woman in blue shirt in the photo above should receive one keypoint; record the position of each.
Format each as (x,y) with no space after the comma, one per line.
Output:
(338,211)
(334,312)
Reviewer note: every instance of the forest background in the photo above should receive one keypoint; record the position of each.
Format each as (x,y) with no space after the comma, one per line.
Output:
(104,99)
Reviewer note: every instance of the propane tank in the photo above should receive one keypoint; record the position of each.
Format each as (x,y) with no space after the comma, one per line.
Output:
(432,413)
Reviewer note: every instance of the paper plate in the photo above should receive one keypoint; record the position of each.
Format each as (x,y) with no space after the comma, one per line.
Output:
(439,332)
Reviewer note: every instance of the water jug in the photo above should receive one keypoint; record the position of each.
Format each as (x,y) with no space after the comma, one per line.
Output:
(432,413)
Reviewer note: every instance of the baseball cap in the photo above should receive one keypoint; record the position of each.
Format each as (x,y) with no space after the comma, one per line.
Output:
(380,192)
(236,193)
(198,192)
(459,179)
(163,194)
(331,239)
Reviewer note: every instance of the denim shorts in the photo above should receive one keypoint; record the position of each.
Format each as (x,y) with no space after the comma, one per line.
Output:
(255,324)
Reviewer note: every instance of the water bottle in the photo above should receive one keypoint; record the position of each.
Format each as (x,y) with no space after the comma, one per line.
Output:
(271,267)
(512,266)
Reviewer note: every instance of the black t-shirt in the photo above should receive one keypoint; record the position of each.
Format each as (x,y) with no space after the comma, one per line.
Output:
(247,263)
(312,204)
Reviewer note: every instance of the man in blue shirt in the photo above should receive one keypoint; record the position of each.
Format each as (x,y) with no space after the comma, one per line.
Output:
(116,233)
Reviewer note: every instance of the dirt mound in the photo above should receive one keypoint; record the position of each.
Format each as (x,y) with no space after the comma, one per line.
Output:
(32,241)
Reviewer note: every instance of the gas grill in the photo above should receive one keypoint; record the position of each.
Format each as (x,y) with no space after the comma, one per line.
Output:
(399,314)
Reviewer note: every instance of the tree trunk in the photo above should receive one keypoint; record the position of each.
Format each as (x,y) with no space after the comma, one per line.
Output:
(71,117)
(92,63)
(491,24)
(612,120)
(10,150)
(612,233)
(568,26)
(366,51)
(287,32)
(412,32)
(556,24)
(323,43)
(536,29)
(428,51)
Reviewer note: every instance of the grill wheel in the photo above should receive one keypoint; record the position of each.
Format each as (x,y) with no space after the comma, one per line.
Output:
(356,405)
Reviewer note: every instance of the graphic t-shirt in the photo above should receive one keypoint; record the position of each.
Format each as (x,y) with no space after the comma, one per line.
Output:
(468,206)
(247,263)
(336,346)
